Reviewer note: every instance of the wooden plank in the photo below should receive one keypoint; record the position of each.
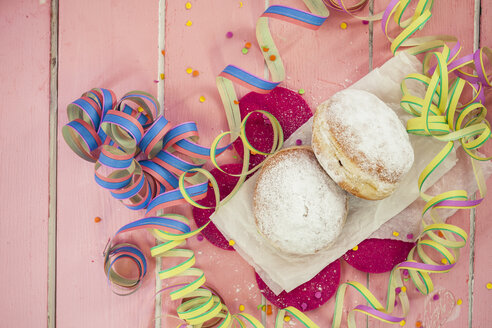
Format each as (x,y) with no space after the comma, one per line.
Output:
(113,45)
(454,285)
(482,297)
(24,148)
(204,47)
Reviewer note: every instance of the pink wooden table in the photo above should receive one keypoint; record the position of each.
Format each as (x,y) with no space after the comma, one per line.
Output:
(51,53)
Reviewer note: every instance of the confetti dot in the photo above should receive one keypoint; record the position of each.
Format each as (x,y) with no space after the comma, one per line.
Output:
(459,301)
(301,91)
(444,261)
(234,157)
(403,289)
(263,308)
(189,23)
(229,35)
(265,49)
(247,45)
(236,102)
(402,323)
(489,285)
(232,242)
(244,51)
(202,99)
(188,5)
(343,25)
(396,233)
(396,302)
(162,76)
(163,52)
(435,297)
(298,142)
(355,248)
(405,272)
(418,324)
(317,294)
(195,73)
(410,236)
(269,310)
(240,4)
(97,219)
(156,81)
(272,57)
(189,70)
(365,22)
(397,290)
(303,306)
(199,237)
(140,109)
(286,318)
(407,279)
(241,308)
(440,234)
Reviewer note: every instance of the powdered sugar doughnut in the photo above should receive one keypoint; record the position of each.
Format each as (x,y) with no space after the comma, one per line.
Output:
(309,295)
(297,207)
(361,144)
(378,255)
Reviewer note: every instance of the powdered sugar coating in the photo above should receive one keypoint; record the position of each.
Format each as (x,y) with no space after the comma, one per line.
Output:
(370,134)
(297,206)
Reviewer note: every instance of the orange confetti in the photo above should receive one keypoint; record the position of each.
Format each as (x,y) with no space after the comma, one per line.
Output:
(440,234)
(163,52)
(97,219)
(269,310)
(272,57)
(236,102)
(195,73)
(418,324)
(265,49)
(247,45)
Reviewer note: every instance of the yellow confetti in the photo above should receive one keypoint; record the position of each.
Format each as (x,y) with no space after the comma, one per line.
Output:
(189,70)
(232,242)
(140,109)
(355,248)
(189,23)
(240,4)
(343,25)
(459,301)
(402,323)
(396,233)
(403,289)
(241,308)
(286,318)
(162,76)
(202,99)
(444,261)
(489,285)
(188,5)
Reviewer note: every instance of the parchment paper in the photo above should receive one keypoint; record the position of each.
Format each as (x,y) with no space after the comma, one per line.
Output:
(282,272)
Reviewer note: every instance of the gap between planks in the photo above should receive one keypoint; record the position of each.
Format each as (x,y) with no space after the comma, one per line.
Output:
(471,263)
(53,140)
(160,97)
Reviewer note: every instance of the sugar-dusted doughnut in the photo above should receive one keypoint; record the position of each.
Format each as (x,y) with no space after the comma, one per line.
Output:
(361,144)
(297,206)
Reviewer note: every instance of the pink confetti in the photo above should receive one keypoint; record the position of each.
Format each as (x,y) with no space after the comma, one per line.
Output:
(229,34)
(324,284)
(288,107)
(378,255)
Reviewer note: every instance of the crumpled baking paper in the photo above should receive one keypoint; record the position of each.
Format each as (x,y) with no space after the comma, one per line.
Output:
(283,272)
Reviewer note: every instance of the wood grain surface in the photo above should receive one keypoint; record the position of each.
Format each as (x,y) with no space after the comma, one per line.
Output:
(117,45)
(24,153)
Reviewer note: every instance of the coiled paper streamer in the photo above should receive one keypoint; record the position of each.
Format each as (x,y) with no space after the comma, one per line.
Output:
(125,127)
